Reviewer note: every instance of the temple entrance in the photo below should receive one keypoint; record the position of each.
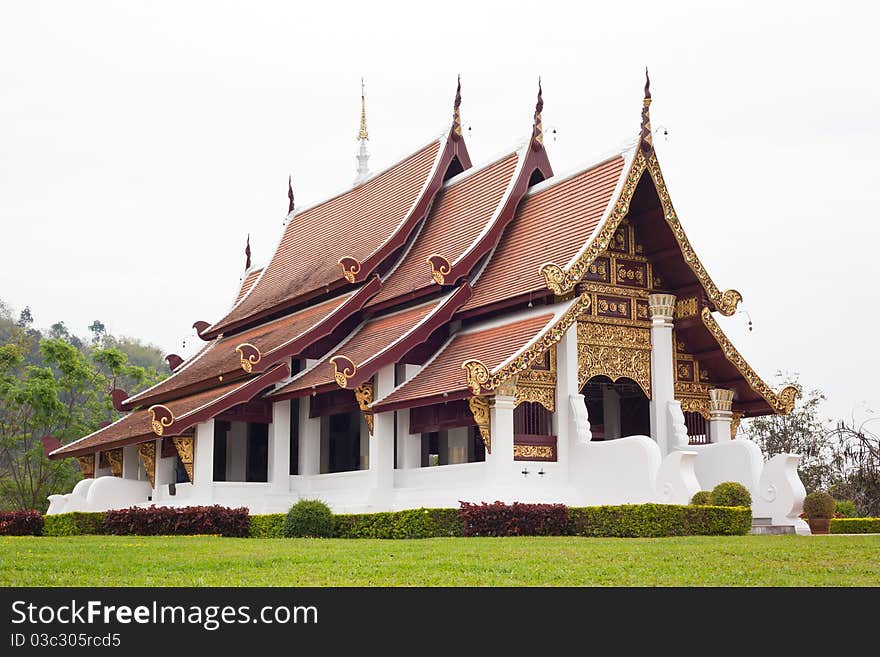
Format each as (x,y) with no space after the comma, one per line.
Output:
(616,409)
(241,451)
(344,442)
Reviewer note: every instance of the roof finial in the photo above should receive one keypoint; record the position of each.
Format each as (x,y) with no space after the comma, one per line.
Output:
(646,139)
(456,112)
(538,127)
(290,194)
(247,253)
(363,156)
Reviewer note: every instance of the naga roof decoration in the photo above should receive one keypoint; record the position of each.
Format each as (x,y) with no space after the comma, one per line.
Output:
(376,343)
(781,402)
(346,238)
(562,280)
(257,349)
(441,379)
(173,418)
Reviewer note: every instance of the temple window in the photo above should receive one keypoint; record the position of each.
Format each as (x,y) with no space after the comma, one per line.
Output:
(241,451)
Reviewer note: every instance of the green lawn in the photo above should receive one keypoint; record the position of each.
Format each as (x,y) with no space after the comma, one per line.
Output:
(557,561)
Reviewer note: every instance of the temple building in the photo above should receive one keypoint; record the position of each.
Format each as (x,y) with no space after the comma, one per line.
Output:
(443,331)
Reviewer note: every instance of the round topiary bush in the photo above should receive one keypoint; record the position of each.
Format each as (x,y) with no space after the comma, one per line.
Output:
(730,493)
(701,498)
(309,518)
(819,505)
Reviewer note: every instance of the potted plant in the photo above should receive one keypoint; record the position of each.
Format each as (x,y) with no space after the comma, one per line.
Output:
(819,509)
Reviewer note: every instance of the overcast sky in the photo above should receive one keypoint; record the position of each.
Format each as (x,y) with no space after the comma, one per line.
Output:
(140,142)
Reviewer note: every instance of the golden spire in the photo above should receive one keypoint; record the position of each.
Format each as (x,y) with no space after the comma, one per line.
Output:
(646,139)
(456,112)
(538,128)
(363,134)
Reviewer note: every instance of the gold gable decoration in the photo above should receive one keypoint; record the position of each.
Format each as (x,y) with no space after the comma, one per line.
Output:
(147,453)
(480,410)
(184,446)
(538,384)
(561,281)
(364,395)
(114,456)
(614,351)
(87,465)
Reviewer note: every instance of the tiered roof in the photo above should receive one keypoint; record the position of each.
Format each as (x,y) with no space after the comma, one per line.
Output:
(420,265)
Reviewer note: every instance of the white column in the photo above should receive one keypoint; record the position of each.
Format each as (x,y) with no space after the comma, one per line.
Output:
(130,461)
(279,447)
(500,460)
(203,460)
(382,440)
(720,415)
(611,413)
(409,445)
(566,386)
(309,440)
(662,308)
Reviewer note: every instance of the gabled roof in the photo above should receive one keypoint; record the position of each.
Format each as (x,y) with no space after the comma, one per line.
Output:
(247,283)
(552,223)
(443,378)
(174,418)
(346,237)
(378,342)
(254,350)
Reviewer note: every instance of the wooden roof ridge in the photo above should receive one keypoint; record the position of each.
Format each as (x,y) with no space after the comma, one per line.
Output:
(640,160)
(172,420)
(531,157)
(782,401)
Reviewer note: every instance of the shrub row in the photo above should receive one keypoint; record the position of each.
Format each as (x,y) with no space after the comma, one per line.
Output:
(270,525)
(163,521)
(76,523)
(855,525)
(652,520)
(517,519)
(412,523)
(21,523)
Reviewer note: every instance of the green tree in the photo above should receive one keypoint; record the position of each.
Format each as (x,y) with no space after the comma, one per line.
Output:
(65,397)
(802,432)
(857,465)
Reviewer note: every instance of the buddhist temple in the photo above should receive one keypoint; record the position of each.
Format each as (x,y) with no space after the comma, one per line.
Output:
(446,331)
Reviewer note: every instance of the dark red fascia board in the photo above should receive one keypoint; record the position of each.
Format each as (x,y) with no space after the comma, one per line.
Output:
(292,348)
(454,148)
(412,339)
(180,425)
(467,261)
(438,398)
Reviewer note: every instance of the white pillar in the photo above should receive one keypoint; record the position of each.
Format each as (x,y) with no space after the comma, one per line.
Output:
(566,386)
(500,460)
(309,440)
(279,447)
(662,308)
(382,440)
(203,461)
(720,415)
(130,462)
(611,413)
(409,445)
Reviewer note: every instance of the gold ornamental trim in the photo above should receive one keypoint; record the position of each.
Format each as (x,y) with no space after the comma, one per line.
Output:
(440,268)
(480,410)
(343,369)
(364,396)
(184,446)
(147,453)
(479,378)
(614,351)
(87,465)
(781,402)
(695,405)
(114,456)
(533,451)
(561,281)
(538,385)
(161,418)
(249,356)
(350,268)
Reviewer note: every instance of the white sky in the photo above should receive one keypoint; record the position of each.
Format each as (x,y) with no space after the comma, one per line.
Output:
(141,141)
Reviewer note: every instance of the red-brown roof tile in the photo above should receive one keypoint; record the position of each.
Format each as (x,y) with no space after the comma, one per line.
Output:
(551,225)
(444,374)
(247,283)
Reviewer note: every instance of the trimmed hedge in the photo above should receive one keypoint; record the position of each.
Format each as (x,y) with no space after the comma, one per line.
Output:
(21,523)
(730,493)
(189,520)
(517,519)
(267,526)
(76,523)
(412,523)
(702,498)
(855,526)
(309,519)
(654,520)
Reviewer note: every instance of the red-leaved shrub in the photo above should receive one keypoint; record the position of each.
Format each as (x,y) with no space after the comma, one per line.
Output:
(21,523)
(517,519)
(164,521)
